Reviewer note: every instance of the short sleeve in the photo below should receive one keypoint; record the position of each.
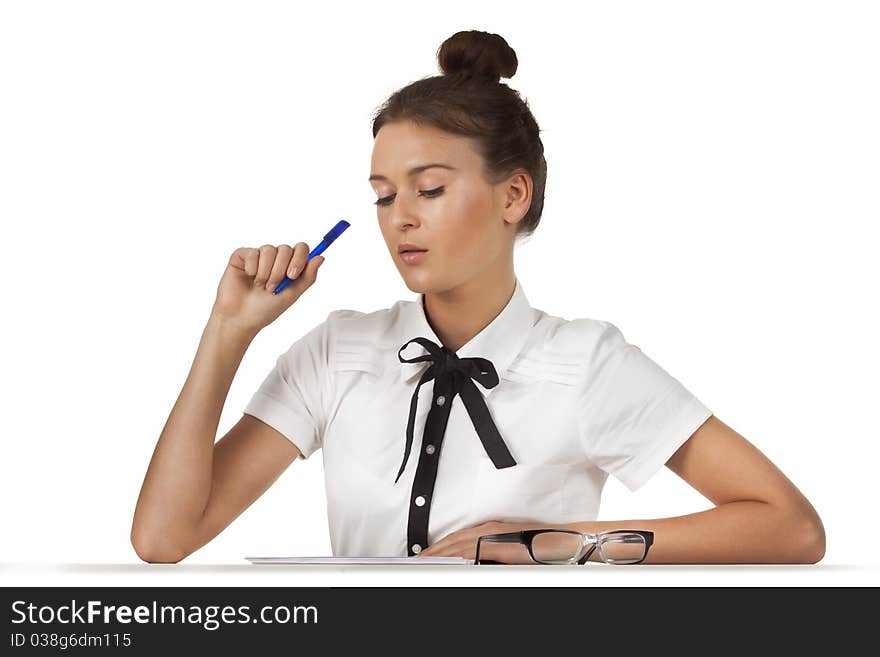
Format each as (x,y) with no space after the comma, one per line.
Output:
(291,397)
(633,415)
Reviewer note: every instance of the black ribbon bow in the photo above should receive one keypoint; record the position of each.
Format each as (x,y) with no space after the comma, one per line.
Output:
(462,372)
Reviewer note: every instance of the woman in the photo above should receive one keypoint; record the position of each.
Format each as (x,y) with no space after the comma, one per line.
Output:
(466,412)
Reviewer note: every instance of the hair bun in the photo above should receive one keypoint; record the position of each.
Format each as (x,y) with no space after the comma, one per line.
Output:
(477,54)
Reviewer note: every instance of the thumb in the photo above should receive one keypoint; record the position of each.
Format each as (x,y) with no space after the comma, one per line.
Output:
(312,269)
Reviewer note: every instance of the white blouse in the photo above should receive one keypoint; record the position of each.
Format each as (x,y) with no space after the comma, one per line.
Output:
(574,402)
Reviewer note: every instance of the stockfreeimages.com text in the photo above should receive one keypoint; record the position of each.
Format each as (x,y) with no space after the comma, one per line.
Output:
(210,616)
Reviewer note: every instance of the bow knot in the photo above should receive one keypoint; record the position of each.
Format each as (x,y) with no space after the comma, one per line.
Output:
(459,374)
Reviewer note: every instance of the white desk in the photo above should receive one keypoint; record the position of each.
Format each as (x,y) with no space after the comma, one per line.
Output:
(593,574)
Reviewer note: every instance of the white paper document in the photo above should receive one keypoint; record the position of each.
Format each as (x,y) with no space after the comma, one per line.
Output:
(373,560)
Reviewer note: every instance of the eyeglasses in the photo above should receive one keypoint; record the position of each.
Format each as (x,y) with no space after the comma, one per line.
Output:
(567,546)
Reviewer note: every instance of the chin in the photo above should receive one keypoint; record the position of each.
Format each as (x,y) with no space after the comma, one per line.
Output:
(425,285)
(418,288)
(420,283)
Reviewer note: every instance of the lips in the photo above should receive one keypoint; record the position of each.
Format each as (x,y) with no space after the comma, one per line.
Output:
(408,246)
(413,257)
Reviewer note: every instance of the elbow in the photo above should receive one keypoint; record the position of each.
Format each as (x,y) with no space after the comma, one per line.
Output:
(814,544)
(808,536)
(150,550)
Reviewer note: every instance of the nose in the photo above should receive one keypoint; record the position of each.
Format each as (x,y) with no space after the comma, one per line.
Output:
(403,212)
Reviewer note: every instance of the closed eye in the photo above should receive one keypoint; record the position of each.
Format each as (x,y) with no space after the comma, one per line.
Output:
(428,193)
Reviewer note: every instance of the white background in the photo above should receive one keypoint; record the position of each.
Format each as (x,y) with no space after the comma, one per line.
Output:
(712,190)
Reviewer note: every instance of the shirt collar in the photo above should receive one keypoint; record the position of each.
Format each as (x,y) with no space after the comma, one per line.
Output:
(500,341)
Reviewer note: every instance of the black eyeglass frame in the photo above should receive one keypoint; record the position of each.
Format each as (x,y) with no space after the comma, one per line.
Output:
(526,536)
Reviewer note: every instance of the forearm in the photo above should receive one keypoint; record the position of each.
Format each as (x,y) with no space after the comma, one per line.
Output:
(177,485)
(745,531)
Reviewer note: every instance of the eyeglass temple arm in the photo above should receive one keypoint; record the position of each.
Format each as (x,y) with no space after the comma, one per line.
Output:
(510,537)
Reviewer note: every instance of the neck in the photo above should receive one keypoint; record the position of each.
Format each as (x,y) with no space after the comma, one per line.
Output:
(458,314)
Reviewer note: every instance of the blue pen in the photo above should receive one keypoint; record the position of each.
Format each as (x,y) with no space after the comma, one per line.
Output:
(335,232)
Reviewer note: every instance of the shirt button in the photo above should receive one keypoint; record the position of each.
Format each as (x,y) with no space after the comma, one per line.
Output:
(441,400)
(416,548)
(429,449)
(420,501)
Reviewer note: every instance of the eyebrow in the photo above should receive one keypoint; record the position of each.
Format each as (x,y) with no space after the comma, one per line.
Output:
(415,170)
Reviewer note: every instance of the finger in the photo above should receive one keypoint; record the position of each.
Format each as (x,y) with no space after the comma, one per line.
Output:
(457,549)
(251,258)
(438,546)
(467,549)
(298,260)
(264,268)
(305,279)
(310,274)
(463,543)
(279,268)
(237,259)
(466,534)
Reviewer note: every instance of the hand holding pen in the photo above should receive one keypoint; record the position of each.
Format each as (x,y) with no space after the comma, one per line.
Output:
(242,301)
(329,238)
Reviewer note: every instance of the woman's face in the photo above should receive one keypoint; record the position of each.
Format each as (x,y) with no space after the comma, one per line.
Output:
(452,213)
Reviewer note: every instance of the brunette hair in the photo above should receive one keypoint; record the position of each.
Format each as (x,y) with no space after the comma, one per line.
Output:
(470,100)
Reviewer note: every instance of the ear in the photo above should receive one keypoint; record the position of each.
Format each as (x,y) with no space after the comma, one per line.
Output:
(517,196)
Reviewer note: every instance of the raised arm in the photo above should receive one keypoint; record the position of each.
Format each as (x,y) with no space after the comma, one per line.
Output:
(194,488)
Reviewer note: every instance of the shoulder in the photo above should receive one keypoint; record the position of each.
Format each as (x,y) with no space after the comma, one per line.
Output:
(344,325)
(343,338)
(364,327)
(564,350)
(581,338)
